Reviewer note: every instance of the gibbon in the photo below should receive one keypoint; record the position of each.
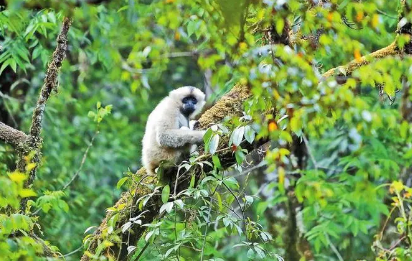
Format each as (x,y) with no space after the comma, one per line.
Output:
(168,132)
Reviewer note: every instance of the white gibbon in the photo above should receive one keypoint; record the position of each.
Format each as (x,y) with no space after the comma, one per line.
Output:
(168,132)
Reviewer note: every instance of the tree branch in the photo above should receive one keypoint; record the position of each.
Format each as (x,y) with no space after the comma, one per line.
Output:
(50,81)
(11,135)
(34,141)
(349,68)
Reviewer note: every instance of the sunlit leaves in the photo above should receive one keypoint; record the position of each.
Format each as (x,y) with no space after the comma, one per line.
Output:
(101,112)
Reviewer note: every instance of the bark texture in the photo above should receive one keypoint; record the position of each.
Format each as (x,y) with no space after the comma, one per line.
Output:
(34,142)
(11,135)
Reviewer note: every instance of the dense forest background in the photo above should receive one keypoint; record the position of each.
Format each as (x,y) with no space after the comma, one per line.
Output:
(309,142)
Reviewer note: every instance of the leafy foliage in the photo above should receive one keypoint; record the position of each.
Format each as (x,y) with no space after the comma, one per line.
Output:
(334,182)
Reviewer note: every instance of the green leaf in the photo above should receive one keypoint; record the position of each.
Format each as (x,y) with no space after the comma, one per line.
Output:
(214,143)
(240,157)
(408,154)
(219,201)
(296,124)
(123,8)
(25,193)
(249,134)
(121,182)
(166,207)
(63,205)
(5,64)
(237,136)
(191,27)
(206,138)
(165,193)
(23,53)
(13,65)
(216,162)
(192,181)
(280,24)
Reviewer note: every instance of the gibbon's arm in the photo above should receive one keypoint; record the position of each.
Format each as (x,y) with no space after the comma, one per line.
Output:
(177,138)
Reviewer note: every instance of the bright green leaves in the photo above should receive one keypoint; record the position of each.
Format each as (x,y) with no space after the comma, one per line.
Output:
(12,190)
(14,223)
(100,113)
(280,24)
(193,27)
(52,200)
(19,31)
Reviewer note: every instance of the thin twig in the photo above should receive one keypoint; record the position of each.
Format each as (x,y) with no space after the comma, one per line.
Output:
(386,14)
(74,251)
(247,171)
(178,249)
(386,223)
(207,224)
(397,243)
(240,206)
(310,152)
(82,162)
(334,249)
(228,207)
(4,97)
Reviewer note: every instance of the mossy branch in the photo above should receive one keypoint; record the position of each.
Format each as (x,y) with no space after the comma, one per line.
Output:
(11,135)
(33,142)
(390,50)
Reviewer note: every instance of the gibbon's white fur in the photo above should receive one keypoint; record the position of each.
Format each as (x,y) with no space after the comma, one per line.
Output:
(168,134)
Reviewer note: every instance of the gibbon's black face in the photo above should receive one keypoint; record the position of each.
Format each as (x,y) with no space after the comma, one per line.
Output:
(189,105)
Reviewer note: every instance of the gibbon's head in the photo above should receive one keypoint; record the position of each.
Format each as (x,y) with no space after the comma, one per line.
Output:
(189,99)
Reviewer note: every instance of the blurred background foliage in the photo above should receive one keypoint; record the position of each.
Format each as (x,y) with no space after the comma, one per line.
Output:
(128,54)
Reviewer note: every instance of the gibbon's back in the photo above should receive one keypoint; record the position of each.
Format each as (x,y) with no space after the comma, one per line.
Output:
(155,121)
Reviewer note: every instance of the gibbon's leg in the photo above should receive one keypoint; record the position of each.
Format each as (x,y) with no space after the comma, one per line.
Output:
(177,138)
